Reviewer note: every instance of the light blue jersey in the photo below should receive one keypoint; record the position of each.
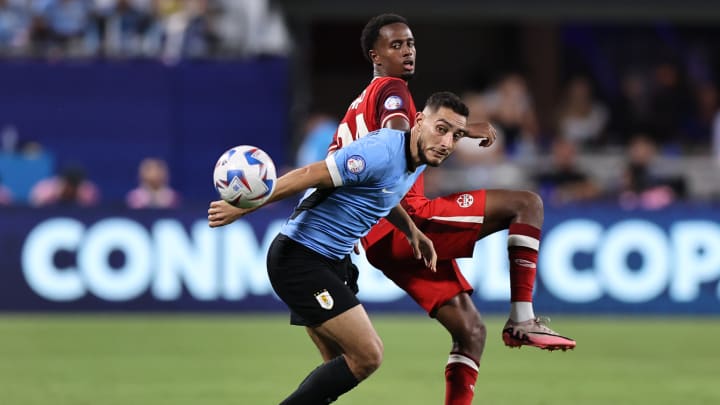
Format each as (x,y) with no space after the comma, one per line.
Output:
(371,176)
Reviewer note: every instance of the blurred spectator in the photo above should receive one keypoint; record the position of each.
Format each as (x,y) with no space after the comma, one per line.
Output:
(252,27)
(669,106)
(476,167)
(319,131)
(127,28)
(154,190)
(582,117)
(9,138)
(480,167)
(169,30)
(716,136)
(6,197)
(564,182)
(189,32)
(64,28)
(510,108)
(699,127)
(644,183)
(631,113)
(14,26)
(70,187)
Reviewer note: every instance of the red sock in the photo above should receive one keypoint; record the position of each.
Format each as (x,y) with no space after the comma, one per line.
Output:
(523,245)
(460,376)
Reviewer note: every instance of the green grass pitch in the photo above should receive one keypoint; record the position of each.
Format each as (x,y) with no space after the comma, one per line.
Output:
(258,359)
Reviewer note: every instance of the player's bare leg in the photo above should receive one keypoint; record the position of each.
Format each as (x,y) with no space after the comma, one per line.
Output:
(521,212)
(353,333)
(328,348)
(467,329)
(356,337)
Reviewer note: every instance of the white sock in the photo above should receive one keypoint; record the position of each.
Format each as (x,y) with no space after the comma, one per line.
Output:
(521,311)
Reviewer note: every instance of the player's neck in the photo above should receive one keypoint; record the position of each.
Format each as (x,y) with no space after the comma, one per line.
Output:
(413,154)
(378,74)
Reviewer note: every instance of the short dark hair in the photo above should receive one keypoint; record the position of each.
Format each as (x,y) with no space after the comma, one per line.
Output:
(449,100)
(372,30)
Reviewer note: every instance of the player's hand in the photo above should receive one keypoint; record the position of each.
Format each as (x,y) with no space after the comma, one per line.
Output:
(423,248)
(221,213)
(483,132)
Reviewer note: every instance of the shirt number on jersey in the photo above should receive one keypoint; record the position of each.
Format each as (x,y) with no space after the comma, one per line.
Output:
(346,137)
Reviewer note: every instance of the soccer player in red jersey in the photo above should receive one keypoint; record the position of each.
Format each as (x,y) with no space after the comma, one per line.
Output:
(454,223)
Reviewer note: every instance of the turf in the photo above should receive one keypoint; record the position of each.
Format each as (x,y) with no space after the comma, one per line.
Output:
(244,359)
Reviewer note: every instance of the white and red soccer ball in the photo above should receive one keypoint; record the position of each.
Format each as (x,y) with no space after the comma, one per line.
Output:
(244,176)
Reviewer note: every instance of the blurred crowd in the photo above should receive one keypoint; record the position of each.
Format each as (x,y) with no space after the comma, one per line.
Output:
(640,152)
(169,30)
(69,186)
(655,145)
(649,139)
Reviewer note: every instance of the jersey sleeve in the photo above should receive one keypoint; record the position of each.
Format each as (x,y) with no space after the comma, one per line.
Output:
(393,100)
(359,163)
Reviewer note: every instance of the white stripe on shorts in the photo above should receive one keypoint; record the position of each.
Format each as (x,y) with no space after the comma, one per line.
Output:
(473,219)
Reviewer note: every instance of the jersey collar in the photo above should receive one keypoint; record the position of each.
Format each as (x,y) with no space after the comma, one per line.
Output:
(408,153)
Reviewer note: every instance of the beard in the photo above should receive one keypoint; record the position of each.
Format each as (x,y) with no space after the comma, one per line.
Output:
(407,76)
(423,152)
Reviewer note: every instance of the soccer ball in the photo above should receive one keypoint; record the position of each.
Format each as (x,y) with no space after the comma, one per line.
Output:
(244,176)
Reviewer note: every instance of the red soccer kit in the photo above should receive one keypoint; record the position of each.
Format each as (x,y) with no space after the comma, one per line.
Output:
(453,222)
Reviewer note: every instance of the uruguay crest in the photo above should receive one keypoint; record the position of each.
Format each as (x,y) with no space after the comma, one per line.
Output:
(325,299)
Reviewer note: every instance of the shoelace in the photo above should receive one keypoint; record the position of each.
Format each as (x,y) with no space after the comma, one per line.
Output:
(544,322)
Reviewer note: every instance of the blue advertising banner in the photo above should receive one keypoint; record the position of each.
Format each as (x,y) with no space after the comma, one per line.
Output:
(594,259)
(107,117)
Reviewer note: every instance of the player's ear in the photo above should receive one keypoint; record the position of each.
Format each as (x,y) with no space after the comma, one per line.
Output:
(418,117)
(374,57)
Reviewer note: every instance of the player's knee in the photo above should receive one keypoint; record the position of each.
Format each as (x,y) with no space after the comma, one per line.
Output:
(374,356)
(526,204)
(532,200)
(370,359)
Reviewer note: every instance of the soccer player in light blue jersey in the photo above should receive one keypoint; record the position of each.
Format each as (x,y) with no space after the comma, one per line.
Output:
(309,260)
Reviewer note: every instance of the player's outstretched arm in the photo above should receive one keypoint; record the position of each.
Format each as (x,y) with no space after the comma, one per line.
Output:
(221,213)
(422,246)
(483,132)
(314,175)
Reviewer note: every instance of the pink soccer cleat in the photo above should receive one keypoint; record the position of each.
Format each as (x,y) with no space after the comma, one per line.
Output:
(534,332)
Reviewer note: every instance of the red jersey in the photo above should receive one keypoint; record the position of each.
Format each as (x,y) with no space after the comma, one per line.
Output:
(384,98)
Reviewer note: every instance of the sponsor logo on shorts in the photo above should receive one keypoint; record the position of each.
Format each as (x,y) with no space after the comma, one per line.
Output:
(525,263)
(393,103)
(355,164)
(325,299)
(465,200)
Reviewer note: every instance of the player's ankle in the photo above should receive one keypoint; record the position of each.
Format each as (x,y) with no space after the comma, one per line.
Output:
(521,311)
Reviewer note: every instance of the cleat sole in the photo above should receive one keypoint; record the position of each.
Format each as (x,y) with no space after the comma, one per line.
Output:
(513,342)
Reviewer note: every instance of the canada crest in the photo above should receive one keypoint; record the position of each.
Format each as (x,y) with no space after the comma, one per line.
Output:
(465,200)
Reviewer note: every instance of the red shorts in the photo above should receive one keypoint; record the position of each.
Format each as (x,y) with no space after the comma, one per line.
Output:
(453,223)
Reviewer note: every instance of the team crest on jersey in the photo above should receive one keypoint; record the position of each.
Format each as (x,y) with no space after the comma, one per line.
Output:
(393,103)
(325,299)
(355,164)
(465,200)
